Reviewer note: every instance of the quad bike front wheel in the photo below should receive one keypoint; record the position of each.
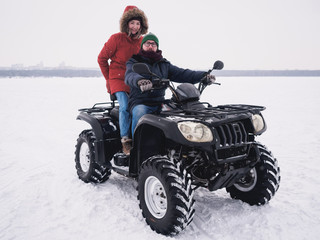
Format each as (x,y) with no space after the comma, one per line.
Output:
(165,195)
(260,184)
(88,169)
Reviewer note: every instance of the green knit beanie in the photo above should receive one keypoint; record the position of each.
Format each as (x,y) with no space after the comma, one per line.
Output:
(150,36)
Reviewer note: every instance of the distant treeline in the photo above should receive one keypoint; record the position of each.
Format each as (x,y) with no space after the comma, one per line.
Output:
(268,73)
(68,73)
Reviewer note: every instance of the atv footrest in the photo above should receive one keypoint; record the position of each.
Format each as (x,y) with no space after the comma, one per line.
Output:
(120,159)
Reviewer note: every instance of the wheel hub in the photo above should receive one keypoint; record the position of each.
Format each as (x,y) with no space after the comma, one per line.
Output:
(248,182)
(155,197)
(84,157)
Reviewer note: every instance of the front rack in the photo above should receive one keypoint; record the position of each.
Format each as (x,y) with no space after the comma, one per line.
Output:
(220,111)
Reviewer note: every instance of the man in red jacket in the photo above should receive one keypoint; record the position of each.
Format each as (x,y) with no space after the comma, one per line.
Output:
(119,48)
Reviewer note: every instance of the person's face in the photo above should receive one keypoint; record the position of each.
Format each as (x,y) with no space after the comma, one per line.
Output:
(150,46)
(134,26)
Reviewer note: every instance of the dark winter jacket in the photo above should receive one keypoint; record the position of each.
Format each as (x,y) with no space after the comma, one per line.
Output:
(164,69)
(119,48)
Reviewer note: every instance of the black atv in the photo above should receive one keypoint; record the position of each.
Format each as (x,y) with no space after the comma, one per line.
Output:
(189,144)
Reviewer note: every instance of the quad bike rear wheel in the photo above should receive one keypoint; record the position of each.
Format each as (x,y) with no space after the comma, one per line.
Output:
(166,195)
(88,169)
(260,184)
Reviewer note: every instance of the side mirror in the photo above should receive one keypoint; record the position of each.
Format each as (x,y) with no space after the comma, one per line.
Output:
(141,68)
(218,65)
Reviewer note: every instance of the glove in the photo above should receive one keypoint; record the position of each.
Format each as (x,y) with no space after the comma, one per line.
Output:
(144,84)
(210,79)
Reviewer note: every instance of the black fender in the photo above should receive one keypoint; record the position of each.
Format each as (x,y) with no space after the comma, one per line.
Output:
(107,135)
(94,122)
(169,128)
(152,135)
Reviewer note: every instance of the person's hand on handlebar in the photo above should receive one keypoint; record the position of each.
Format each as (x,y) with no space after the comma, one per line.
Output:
(144,84)
(210,79)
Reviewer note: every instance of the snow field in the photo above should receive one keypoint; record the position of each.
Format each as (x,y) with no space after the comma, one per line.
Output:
(42,197)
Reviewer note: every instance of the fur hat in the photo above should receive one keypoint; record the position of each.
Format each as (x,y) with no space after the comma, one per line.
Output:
(133,13)
(150,36)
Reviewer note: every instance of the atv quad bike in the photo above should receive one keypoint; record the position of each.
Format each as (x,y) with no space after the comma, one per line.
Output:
(189,144)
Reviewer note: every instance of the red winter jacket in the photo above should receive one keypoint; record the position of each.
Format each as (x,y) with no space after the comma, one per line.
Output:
(119,48)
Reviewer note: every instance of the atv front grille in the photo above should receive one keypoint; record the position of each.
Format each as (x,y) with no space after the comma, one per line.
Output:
(231,134)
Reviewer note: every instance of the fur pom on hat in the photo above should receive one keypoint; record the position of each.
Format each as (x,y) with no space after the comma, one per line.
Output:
(133,13)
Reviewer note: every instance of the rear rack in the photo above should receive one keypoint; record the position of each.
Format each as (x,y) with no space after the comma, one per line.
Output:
(100,107)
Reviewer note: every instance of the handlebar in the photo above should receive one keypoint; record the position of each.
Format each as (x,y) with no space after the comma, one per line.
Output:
(160,83)
(204,82)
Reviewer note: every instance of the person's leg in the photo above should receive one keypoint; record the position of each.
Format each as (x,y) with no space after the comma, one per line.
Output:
(124,115)
(124,122)
(140,110)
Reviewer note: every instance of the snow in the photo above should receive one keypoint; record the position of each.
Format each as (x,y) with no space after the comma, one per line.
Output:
(42,197)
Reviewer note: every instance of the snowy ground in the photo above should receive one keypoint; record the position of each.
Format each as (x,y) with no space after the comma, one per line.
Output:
(42,197)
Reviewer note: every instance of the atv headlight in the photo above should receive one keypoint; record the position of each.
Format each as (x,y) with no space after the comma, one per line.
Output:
(195,132)
(258,123)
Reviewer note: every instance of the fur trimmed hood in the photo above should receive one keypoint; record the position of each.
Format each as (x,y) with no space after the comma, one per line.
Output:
(133,12)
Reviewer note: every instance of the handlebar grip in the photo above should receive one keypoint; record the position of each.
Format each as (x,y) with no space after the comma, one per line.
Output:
(160,83)
(205,80)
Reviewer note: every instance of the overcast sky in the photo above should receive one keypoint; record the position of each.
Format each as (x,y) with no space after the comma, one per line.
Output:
(245,34)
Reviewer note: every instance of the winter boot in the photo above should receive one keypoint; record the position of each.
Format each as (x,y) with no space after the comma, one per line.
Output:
(126,145)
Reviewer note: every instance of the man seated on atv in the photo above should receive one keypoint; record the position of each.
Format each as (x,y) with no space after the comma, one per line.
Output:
(142,101)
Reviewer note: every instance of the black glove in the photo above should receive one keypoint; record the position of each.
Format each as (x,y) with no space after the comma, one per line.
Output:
(210,79)
(144,84)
